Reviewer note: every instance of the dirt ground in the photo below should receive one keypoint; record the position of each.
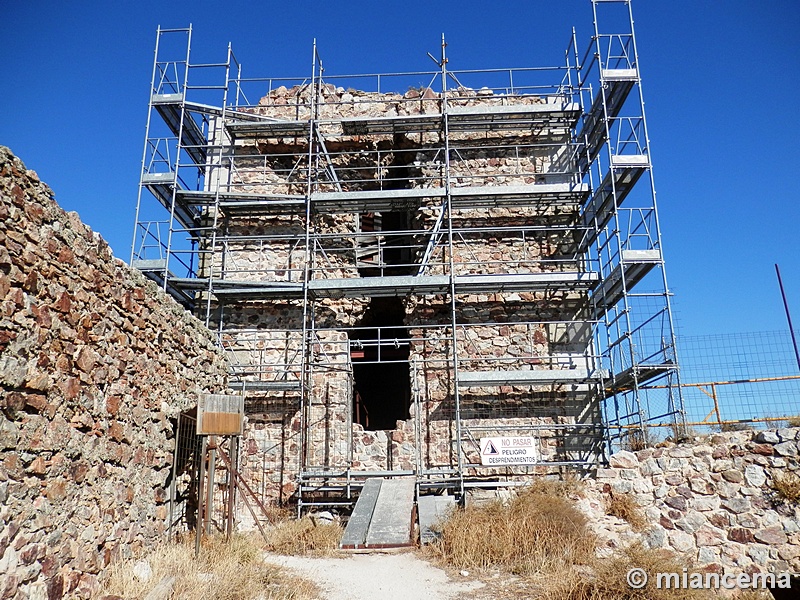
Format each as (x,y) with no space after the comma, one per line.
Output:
(384,575)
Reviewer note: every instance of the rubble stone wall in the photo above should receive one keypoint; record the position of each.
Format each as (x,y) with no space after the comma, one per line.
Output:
(712,500)
(95,363)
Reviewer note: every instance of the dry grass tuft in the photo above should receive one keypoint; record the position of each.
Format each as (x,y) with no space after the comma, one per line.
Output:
(636,439)
(305,537)
(793,421)
(787,486)
(567,487)
(544,539)
(731,426)
(231,570)
(536,532)
(752,595)
(624,506)
(609,579)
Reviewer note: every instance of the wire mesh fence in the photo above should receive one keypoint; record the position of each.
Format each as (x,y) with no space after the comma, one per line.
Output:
(740,378)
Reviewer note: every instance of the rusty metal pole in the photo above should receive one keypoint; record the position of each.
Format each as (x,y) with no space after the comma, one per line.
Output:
(788,316)
(212,467)
(716,404)
(234,450)
(198,526)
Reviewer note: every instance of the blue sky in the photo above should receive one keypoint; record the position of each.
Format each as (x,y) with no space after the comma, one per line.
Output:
(721,89)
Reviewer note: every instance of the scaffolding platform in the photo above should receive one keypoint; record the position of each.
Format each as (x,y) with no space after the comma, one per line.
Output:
(178,114)
(551,115)
(472,197)
(398,285)
(178,117)
(633,267)
(528,377)
(637,375)
(156,270)
(248,130)
(162,185)
(265,386)
(383,515)
(237,203)
(470,119)
(616,86)
(607,198)
(432,512)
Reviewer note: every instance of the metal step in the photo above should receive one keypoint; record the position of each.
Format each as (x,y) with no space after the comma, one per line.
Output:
(432,511)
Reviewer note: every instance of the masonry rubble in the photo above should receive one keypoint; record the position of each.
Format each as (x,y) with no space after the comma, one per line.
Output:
(95,364)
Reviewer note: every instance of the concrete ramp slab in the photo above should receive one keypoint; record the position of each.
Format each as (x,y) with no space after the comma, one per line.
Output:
(383,516)
(355,534)
(392,519)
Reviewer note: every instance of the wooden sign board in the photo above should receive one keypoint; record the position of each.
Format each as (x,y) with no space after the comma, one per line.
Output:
(220,414)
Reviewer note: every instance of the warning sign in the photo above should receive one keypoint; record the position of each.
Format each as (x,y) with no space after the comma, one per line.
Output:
(497,451)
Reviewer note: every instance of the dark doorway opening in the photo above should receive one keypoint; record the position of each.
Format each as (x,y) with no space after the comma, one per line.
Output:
(379,352)
(382,385)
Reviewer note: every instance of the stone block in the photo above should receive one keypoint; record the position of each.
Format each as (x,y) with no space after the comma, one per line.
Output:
(773,536)
(676,502)
(707,535)
(681,451)
(786,449)
(701,486)
(691,522)
(705,503)
(741,535)
(759,553)
(624,460)
(733,476)
(763,449)
(708,555)
(736,505)
(656,537)
(603,473)
(788,552)
(767,437)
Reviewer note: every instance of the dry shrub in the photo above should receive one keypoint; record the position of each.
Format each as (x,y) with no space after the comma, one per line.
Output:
(232,570)
(543,538)
(793,421)
(624,506)
(537,531)
(787,486)
(305,536)
(730,426)
(635,440)
(608,581)
(567,487)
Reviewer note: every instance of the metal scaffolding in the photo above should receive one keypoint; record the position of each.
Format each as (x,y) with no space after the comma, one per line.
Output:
(572,211)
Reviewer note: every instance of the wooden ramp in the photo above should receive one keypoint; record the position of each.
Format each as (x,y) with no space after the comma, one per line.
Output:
(383,515)
(432,511)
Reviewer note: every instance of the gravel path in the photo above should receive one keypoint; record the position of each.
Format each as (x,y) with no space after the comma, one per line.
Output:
(386,576)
